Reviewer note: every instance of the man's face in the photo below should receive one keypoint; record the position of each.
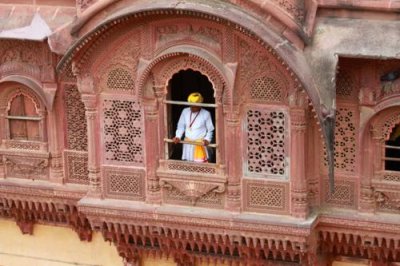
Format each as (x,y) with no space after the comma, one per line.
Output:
(195,109)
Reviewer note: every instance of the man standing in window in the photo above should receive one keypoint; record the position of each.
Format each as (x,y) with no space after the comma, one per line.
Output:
(197,125)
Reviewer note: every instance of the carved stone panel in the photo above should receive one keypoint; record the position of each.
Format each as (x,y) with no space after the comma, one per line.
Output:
(344,195)
(26,166)
(345,140)
(123,132)
(124,183)
(266,143)
(75,119)
(188,32)
(76,167)
(265,196)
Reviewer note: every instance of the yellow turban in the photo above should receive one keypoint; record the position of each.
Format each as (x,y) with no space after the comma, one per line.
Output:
(195,97)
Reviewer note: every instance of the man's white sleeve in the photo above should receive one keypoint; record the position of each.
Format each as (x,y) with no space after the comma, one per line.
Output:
(210,128)
(180,129)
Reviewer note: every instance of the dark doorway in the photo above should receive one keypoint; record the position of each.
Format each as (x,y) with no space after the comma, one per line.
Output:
(180,86)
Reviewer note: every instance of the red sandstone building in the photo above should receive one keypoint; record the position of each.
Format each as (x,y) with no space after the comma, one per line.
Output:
(305,99)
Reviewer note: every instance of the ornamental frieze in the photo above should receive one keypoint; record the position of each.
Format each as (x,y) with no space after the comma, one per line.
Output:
(204,34)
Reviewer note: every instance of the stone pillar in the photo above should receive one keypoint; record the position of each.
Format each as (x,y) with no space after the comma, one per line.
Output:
(151,115)
(372,162)
(3,135)
(233,160)
(56,170)
(93,132)
(297,163)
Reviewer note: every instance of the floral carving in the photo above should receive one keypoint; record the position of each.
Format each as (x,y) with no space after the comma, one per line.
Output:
(294,8)
(192,189)
(206,35)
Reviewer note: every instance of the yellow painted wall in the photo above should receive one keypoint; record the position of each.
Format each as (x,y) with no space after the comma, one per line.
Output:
(53,246)
(59,246)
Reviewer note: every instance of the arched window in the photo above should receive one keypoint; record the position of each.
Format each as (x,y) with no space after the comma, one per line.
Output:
(180,87)
(23,119)
(392,150)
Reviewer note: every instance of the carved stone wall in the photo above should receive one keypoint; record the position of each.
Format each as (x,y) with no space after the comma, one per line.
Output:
(21,57)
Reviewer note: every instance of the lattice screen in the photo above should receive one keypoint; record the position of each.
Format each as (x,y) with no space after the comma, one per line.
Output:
(344,85)
(343,196)
(345,140)
(76,120)
(264,196)
(120,79)
(266,149)
(124,183)
(76,167)
(266,89)
(123,131)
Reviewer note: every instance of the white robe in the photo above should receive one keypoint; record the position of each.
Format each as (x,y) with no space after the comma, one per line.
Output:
(202,128)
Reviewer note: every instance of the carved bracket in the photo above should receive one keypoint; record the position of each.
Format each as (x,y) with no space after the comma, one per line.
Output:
(382,199)
(192,189)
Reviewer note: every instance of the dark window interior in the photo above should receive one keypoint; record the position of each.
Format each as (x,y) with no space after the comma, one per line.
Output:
(181,85)
(392,150)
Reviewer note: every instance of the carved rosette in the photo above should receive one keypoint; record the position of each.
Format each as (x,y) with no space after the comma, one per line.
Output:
(193,189)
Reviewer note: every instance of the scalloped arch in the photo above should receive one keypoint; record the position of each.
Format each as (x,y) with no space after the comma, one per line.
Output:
(174,62)
(32,85)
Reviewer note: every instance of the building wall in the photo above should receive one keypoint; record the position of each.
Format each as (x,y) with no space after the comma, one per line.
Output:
(53,246)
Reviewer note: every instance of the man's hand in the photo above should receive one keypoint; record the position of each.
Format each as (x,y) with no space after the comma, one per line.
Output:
(176,140)
(205,142)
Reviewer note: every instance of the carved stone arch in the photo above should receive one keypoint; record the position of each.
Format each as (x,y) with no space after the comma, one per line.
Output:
(22,91)
(46,99)
(166,65)
(386,122)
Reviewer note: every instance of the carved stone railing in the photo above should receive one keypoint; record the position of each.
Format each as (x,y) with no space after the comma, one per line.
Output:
(386,187)
(389,176)
(25,145)
(193,180)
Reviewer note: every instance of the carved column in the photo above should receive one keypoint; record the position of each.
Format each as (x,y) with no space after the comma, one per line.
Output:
(152,152)
(297,163)
(90,101)
(233,160)
(56,171)
(3,135)
(371,161)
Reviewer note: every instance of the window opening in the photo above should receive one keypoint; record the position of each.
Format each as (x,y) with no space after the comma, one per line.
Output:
(23,119)
(180,87)
(392,150)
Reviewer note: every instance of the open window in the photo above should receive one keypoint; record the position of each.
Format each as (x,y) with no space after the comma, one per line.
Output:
(392,150)
(180,87)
